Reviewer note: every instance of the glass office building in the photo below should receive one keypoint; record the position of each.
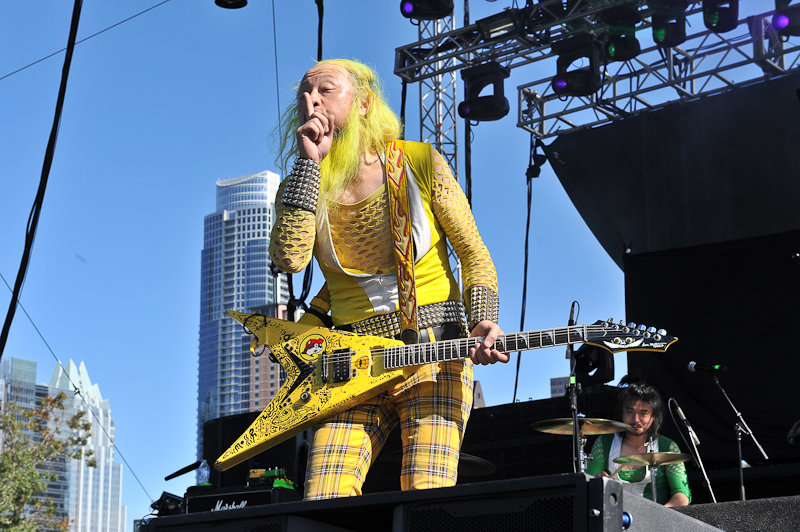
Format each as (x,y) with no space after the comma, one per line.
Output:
(90,497)
(95,493)
(235,274)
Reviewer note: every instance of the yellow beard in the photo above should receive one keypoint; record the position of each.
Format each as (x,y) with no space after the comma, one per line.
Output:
(340,167)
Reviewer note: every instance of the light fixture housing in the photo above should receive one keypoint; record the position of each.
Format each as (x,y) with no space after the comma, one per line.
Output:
(619,36)
(721,16)
(231,4)
(786,20)
(583,81)
(484,108)
(669,22)
(426,9)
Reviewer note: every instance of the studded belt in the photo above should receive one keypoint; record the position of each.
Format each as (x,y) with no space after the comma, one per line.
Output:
(388,325)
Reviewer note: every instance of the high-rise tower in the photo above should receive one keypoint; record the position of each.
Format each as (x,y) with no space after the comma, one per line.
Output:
(235,275)
(90,497)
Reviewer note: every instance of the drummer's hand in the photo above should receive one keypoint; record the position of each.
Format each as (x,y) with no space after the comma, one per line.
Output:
(602,474)
(484,353)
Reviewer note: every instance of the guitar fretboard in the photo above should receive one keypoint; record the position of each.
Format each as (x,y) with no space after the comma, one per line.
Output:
(416,354)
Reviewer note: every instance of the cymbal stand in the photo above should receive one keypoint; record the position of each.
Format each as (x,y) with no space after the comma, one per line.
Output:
(579,458)
(653,468)
(741,428)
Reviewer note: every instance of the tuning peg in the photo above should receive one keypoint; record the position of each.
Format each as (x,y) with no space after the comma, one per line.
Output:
(662,332)
(632,324)
(642,327)
(651,329)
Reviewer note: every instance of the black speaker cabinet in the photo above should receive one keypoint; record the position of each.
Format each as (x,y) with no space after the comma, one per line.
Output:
(219,434)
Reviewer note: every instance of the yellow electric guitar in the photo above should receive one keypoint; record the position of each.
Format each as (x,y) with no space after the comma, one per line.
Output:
(328,372)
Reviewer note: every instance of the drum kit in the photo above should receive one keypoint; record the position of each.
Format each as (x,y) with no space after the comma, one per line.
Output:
(595,427)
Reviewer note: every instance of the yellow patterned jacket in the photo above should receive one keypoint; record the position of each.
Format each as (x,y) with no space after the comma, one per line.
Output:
(353,245)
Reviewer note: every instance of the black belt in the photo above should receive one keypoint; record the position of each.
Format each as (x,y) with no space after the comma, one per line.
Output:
(443,331)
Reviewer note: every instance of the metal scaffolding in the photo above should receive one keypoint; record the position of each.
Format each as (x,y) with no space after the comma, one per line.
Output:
(706,63)
(438,98)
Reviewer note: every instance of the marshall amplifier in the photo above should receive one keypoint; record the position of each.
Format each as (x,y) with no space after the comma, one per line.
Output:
(207,499)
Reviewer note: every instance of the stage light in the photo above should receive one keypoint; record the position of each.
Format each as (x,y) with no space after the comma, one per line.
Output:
(619,39)
(786,20)
(669,22)
(581,81)
(426,9)
(510,21)
(593,365)
(721,16)
(484,108)
(231,4)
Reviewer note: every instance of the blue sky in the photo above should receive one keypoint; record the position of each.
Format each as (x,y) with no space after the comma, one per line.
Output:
(158,109)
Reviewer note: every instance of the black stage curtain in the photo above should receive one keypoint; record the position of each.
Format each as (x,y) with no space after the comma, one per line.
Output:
(733,303)
(714,169)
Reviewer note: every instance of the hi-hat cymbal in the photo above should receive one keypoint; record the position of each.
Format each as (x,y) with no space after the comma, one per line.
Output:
(590,426)
(654,459)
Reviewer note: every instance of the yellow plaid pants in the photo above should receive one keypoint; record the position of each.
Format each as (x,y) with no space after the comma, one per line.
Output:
(432,417)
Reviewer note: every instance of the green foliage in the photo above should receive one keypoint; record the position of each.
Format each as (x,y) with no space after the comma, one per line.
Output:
(32,445)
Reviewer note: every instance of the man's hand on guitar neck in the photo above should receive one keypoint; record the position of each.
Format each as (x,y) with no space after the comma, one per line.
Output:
(483,353)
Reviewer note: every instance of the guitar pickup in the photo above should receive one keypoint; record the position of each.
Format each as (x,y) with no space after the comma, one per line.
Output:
(340,364)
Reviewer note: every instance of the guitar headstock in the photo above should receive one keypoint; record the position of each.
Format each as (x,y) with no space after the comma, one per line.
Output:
(631,337)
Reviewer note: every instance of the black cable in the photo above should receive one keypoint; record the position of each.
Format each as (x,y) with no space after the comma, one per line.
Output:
(75,387)
(84,39)
(33,219)
(308,276)
(468,161)
(529,177)
(403,106)
(320,12)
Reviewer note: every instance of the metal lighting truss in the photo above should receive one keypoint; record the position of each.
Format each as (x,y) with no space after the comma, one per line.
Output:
(437,108)
(437,97)
(705,64)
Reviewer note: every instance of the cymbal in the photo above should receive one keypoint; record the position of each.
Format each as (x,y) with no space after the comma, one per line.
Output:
(654,459)
(472,466)
(468,465)
(590,426)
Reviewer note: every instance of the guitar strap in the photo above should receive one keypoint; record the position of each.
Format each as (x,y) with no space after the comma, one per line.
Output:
(400,213)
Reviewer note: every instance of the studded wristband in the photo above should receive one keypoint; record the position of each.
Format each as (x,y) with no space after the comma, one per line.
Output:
(302,185)
(482,304)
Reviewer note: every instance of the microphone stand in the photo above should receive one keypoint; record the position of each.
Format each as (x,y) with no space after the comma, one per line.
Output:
(741,428)
(573,389)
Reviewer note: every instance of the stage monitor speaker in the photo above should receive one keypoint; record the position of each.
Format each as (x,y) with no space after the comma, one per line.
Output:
(220,433)
(647,516)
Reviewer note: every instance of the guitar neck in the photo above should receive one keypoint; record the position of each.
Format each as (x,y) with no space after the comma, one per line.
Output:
(416,354)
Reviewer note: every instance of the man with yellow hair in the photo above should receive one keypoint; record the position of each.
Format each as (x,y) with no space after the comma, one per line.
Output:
(336,203)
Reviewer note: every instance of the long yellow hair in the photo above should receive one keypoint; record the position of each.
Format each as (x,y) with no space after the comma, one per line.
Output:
(363,134)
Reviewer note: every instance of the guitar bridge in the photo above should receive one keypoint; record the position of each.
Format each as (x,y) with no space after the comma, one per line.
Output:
(340,364)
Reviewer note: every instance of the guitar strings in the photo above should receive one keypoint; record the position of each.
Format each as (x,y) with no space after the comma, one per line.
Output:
(461,346)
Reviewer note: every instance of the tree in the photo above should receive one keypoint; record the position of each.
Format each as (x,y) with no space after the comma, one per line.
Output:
(31,445)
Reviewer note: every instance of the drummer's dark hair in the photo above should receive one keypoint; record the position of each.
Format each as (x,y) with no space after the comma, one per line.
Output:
(637,390)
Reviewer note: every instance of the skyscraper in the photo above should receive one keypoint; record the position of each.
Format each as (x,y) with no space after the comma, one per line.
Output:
(95,493)
(235,275)
(91,497)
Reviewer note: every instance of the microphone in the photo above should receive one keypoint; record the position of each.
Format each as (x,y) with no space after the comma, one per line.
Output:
(706,368)
(689,428)
(570,323)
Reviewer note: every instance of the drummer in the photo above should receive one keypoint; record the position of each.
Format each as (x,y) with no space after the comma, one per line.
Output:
(643,410)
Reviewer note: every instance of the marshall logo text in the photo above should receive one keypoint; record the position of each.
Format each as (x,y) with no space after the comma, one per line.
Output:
(231,506)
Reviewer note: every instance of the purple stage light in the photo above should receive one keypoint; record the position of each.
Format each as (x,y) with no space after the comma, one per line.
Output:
(780,21)
(559,84)
(408,8)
